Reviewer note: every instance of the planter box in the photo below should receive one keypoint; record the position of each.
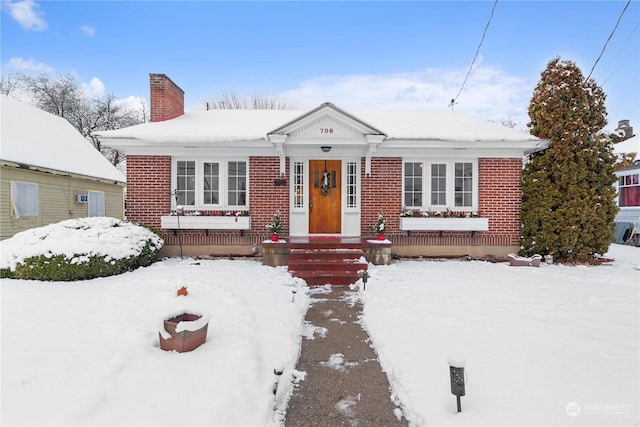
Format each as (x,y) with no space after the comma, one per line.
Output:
(206,222)
(187,339)
(444,224)
(519,261)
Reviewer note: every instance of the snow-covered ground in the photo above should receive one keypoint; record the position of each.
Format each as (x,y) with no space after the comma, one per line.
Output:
(87,353)
(554,345)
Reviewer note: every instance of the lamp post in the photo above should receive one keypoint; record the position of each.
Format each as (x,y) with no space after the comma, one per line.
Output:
(179,211)
(456,372)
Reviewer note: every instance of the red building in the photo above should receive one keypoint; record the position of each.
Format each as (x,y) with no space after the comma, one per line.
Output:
(446,184)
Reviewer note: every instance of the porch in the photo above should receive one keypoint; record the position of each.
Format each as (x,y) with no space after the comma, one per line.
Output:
(323,260)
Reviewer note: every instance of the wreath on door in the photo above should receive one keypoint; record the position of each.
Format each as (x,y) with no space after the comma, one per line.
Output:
(326,183)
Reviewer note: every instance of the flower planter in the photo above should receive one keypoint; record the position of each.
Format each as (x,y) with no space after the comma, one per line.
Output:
(274,237)
(200,222)
(444,224)
(381,237)
(184,332)
(519,261)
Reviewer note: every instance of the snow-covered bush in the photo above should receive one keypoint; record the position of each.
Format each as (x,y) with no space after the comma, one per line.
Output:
(78,249)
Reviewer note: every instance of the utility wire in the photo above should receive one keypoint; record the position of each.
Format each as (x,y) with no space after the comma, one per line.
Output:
(620,66)
(608,39)
(454,100)
(629,55)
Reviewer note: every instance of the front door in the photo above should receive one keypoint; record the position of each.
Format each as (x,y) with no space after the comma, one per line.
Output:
(325,209)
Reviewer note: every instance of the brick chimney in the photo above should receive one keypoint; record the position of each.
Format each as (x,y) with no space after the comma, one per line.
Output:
(166,98)
(625,129)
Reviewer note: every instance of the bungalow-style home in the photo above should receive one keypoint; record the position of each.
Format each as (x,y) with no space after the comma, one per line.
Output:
(49,172)
(212,181)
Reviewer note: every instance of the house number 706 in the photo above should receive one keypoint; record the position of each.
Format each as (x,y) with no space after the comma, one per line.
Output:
(326,130)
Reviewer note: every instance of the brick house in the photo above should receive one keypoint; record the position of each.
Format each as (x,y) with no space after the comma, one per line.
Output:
(447,184)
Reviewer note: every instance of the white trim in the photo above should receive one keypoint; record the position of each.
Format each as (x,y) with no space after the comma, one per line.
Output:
(223,182)
(205,222)
(450,185)
(444,224)
(299,216)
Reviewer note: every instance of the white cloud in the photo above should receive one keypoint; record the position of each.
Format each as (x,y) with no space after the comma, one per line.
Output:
(489,92)
(132,103)
(88,30)
(21,64)
(93,89)
(28,14)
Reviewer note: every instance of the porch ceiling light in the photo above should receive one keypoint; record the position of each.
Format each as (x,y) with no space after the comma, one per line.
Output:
(325,148)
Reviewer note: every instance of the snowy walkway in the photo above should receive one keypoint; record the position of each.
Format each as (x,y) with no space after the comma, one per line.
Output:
(345,384)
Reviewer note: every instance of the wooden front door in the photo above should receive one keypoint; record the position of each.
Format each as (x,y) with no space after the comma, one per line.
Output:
(325,208)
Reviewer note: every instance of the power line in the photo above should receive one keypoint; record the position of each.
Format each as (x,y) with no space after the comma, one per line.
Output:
(620,66)
(607,42)
(454,100)
(622,49)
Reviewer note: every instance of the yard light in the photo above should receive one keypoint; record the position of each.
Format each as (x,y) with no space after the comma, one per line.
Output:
(293,294)
(365,277)
(277,371)
(456,371)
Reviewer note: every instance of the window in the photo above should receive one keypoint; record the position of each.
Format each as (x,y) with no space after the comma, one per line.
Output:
(463,184)
(237,183)
(24,199)
(210,184)
(448,185)
(439,185)
(96,203)
(413,185)
(298,184)
(352,185)
(629,191)
(186,183)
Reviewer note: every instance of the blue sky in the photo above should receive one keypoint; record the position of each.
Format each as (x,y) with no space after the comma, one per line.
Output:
(358,55)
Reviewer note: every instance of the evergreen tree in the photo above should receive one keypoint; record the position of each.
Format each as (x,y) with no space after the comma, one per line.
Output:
(568,204)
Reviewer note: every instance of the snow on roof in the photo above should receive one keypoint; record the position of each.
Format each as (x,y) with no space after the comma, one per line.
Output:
(34,137)
(631,145)
(236,125)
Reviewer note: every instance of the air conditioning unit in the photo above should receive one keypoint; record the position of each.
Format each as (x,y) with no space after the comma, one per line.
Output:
(82,198)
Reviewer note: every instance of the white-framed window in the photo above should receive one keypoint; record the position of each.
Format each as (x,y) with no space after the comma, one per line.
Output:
(24,199)
(413,184)
(438,184)
(96,203)
(629,190)
(210,183)
(298,184)
(352,174)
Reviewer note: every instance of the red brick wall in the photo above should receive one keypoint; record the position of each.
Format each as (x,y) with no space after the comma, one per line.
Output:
(166,99)
(381,190)
(500,196)
(499,200)
(264,197)
(148,189)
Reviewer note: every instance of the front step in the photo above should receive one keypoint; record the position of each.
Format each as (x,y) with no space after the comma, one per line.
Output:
(327,261)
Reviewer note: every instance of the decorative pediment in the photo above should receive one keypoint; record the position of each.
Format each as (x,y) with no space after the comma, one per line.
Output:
(326,125)
(326,121)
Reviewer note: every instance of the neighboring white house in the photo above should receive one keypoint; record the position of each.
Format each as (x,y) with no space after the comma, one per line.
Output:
(628,186)
(49,172)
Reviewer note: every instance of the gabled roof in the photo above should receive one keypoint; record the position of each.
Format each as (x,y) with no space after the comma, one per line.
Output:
(254,125)
(37,139)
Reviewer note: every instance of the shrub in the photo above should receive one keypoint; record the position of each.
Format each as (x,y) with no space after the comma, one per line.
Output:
(79,249)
